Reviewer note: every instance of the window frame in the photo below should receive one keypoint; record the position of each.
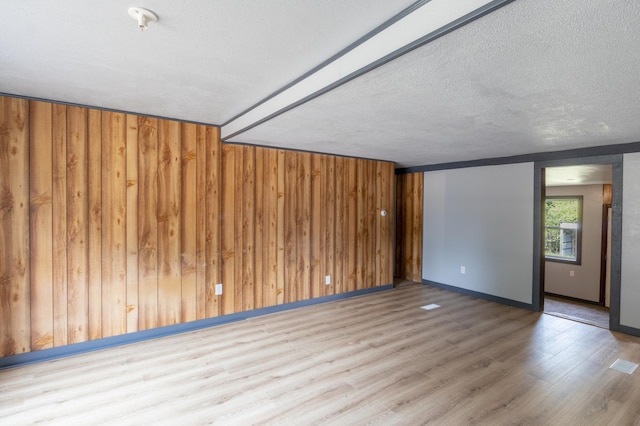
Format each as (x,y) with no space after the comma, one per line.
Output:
(549,258)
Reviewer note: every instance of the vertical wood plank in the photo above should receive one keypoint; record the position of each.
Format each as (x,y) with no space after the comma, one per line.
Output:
(228,228)
(351,247)
(260,186)
(15,330)
(188,221)
(94,197)
(270,241)
(371,228)
(133,272)
(290,225)
(114,284)
(387,227)
(213,220)
(340,267)
(201,222)
(169,282)
(416,237)
(247,241)
(408,226)
(280,229)
(329,224)
(361,234)
(147,223)
(41,224)
(60,295)
(316,218)
(77,226)
(303,210)
(237,287)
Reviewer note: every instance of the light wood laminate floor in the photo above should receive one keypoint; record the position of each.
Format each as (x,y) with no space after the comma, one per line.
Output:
(375,359)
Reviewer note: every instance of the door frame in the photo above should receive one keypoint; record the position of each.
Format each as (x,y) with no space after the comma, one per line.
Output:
(616,230)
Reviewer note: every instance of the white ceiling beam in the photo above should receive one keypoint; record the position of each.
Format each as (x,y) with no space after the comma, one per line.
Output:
(425,23)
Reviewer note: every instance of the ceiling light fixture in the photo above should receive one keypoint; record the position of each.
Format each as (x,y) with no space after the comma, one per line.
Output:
(143,16)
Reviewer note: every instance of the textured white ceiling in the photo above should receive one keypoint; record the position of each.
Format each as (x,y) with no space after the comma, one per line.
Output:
(533,76)
(205,60)
(585,174)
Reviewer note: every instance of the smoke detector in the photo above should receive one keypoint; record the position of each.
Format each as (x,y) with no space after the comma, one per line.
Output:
(143,16)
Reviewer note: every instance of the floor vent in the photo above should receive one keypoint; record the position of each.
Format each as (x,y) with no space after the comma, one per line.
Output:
(429,307)
(623,366)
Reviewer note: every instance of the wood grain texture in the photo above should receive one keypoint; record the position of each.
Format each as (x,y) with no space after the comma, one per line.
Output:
(77,226)
(213,221)
(114,256)
(340,267)
(132,214)
(247,276)
(260,203)
(60,283)
(377,359)
(169,264)
(126,223)
(147,223)
(94,198)
(229,220)
(189,205)
(408,256)
(41,224)
(15,333)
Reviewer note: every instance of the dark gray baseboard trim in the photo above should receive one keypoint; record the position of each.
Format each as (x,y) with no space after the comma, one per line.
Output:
(139,336)
(628,330)
(485,296)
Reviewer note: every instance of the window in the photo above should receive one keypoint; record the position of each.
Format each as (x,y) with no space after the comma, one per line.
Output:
(563,229)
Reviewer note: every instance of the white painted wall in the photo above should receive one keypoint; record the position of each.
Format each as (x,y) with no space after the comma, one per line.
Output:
(585,284)
(480,218)
(630,267)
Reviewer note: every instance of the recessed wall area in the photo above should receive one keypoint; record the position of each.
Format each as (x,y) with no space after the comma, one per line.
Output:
(113,223)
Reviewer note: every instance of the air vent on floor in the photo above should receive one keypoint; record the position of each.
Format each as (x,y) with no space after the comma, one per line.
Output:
(623,366)
(429,307)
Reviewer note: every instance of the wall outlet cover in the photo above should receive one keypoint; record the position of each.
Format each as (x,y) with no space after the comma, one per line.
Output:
(218,289)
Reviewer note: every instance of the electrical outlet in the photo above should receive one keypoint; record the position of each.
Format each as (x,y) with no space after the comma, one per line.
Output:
(327,279)
(572,273)
(218,289)
(463,269)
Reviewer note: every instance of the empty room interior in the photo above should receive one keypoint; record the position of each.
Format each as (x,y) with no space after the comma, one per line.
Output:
(320,212)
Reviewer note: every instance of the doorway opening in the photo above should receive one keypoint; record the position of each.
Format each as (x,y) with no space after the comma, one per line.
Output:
(576,242)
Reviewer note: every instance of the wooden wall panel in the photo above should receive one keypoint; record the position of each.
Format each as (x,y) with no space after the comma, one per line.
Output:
(280,238)
(114,223)
(147,223)
(41,224)
(340,267)
(133,259)
(248,271)
(94,198)
(189,205)
(169,265)
(318,215)
(77,226)
(114,256)
(229,219)
(408,256)
(60,296)
(15,333)
(214,219)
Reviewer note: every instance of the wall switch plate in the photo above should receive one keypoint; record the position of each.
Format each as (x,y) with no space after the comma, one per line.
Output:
(572,273)
(218,289)
(463,269)
(327,279)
